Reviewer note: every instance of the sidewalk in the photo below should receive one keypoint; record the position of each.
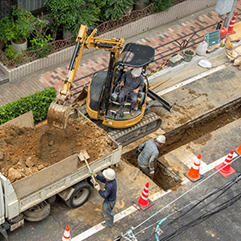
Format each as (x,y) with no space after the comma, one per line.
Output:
(91,64)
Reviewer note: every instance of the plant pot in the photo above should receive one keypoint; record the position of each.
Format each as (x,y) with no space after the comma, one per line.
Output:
(20,47)
(188,54)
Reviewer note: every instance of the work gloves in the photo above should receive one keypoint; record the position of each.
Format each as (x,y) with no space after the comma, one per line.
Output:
(97,186)
(92,174)
(152,173)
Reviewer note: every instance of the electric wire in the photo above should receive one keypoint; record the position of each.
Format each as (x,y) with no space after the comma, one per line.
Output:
(226,186)
(202,218)
(182,195)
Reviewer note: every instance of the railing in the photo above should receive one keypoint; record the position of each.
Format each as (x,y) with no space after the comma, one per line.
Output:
(163,53)
(58,45)
(133,16)
(32,55)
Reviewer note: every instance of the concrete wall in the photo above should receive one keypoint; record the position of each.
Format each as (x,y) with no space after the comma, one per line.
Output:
(129,30)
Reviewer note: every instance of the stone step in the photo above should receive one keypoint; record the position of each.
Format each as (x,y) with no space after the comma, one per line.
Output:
(3,78)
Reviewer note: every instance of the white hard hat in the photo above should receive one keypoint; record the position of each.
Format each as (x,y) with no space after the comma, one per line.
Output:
(136,72)
(161,139)
(109,174)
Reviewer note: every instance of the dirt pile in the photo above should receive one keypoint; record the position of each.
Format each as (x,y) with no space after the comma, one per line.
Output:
(24,151)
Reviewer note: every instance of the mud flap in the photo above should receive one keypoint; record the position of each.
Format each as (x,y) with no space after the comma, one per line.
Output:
(58,115)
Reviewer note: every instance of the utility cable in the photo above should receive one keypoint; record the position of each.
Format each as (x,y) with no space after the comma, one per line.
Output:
(134,228)
(226,186)
(202,218)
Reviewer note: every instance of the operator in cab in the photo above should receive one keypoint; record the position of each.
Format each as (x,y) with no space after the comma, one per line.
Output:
(132,82)
(149,152)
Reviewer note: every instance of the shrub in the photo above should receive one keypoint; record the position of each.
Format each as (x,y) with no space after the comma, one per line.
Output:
(38,102)
(69,15)
(162,5)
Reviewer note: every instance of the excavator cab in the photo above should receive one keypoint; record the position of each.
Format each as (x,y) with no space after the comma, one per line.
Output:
(112,113)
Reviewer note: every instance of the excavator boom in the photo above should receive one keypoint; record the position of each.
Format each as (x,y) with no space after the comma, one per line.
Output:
(59,109)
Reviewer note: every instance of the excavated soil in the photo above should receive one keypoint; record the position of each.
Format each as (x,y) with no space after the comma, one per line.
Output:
(24,151)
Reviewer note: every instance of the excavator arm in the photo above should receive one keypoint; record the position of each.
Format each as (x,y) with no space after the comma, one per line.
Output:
(59,109)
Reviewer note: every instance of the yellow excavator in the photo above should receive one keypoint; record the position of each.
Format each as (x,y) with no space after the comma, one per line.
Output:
(101,96)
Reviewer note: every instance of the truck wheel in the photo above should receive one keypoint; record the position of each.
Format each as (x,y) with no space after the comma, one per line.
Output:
(37,212)
(80,195)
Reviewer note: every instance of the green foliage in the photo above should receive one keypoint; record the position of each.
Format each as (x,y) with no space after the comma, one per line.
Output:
(115,9)
(162,5)
(71,14)
(40,38)
(10,52)
(16,27)
(23,24)
(38,102)
(6,29)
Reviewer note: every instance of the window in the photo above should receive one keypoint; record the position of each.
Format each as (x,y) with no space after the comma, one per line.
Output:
(32,5)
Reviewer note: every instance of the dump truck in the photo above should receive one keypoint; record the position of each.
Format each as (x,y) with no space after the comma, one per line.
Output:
(30,198)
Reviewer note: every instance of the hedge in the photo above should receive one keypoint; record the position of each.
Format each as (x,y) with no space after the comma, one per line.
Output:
(38,102)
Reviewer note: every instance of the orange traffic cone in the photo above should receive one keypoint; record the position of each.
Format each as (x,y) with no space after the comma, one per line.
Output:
(193,173)
(66,235)
(238,150)
(231,24)
(225,167)
(143,202)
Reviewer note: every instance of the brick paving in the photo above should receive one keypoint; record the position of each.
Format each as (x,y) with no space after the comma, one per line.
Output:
(98,62)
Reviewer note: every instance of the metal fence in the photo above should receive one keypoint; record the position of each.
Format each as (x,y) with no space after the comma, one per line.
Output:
(57,45)
(163,53)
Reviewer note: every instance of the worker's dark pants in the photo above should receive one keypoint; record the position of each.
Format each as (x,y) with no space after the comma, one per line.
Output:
(133,96)
(107,208)
(145,170)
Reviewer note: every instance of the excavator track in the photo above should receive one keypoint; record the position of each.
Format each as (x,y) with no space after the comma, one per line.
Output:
(149,123)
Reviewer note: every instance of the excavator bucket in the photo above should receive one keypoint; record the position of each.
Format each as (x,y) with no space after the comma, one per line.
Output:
(58,115)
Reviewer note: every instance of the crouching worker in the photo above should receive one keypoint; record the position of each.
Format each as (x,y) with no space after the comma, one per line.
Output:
(109,195)
(149,152)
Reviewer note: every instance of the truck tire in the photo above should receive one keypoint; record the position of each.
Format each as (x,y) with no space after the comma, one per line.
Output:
(37,212)
(80,195)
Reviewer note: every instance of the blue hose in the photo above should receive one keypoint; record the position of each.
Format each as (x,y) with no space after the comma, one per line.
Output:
(157,227)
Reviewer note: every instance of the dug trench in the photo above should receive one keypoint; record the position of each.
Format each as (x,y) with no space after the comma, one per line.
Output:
(184,134)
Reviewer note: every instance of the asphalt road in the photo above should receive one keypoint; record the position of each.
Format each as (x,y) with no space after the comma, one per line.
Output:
(84,221)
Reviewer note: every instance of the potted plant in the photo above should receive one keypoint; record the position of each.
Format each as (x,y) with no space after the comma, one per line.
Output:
(17,28)
(69,15)
(23,24)
(6,30)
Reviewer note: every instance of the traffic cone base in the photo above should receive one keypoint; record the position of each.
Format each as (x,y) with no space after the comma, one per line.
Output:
(192,179)
(223,172)
(142,208)
(238,150)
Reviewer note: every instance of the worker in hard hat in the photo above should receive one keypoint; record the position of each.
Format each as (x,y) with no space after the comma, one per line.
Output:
(109,195)
(149,152)
(132,82)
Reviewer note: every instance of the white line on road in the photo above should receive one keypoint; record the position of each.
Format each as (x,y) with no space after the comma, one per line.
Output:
(199,76)
(153,198)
